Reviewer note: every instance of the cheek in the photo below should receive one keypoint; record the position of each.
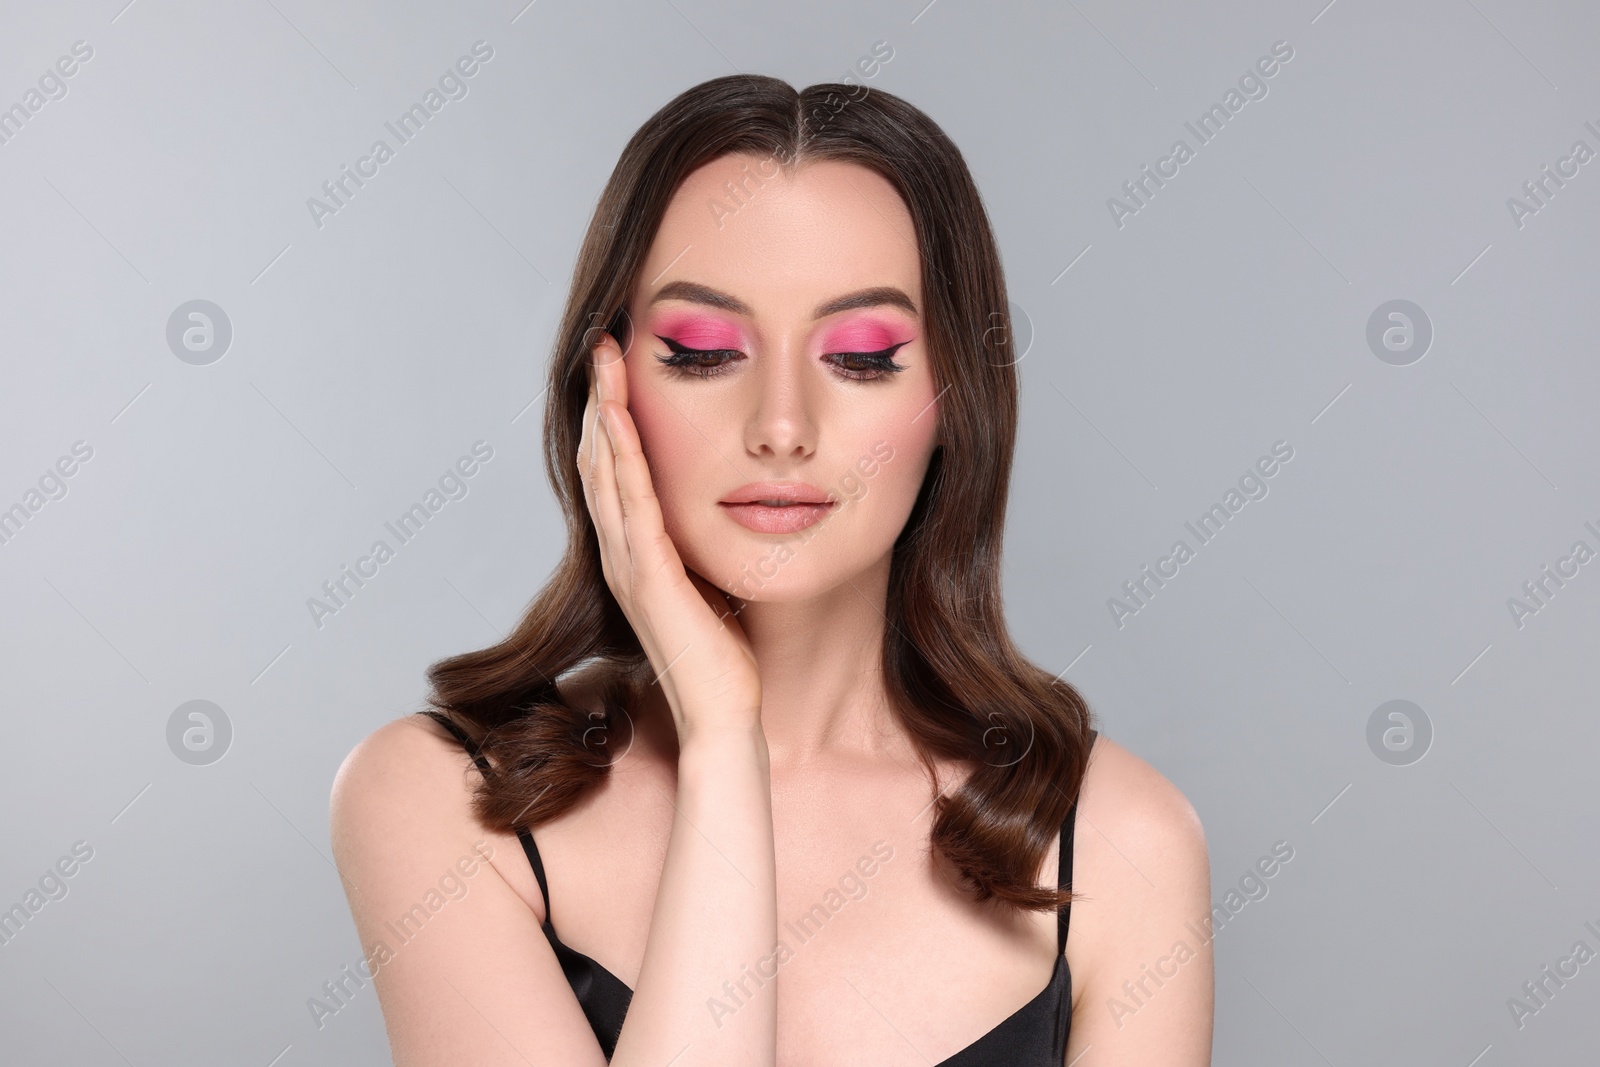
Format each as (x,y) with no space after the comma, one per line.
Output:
(887,463)
(675,451)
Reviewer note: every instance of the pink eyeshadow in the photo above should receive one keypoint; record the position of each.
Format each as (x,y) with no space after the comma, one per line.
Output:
(865,335)
(699,331)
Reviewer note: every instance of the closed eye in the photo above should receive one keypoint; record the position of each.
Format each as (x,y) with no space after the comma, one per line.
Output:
(710,362)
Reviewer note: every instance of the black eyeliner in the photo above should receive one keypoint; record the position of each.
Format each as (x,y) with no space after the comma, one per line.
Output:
(881,360)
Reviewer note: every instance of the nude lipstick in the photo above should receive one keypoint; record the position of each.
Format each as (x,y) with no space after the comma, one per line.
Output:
(777,507)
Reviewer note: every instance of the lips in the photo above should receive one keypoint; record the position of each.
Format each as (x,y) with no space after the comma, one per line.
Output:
(777,507)
(776,493)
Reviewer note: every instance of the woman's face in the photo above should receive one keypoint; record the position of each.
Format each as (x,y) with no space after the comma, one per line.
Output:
(795,297)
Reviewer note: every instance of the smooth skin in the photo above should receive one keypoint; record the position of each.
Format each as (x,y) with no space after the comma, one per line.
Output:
(763,775)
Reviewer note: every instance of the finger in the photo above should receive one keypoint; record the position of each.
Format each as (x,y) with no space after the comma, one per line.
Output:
(585,438)
(585,460)
(593,460)
(585,457)
(610,370)
(606,504)
(648,546)
(593,332)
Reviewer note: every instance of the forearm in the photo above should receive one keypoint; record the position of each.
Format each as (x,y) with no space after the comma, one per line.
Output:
(715,917)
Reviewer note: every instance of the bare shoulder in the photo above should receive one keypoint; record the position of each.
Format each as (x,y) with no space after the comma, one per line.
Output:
(450,940)
(404,770)
(1130,802)
(403,797)
(1139,943)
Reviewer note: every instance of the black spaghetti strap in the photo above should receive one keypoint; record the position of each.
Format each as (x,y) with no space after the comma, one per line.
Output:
(1068,834)
(532,852)
(1064,916)
(461,735)
(528,847)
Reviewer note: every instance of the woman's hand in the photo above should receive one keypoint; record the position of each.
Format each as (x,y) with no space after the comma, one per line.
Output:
(701,656)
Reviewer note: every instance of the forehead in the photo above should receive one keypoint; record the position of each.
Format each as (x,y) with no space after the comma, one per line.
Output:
(785,242)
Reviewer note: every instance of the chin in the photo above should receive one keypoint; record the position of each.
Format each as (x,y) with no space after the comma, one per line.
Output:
(776,572)
(759,577)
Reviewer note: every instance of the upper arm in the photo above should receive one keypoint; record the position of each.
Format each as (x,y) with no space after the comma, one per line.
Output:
(464,973)
(1141,938)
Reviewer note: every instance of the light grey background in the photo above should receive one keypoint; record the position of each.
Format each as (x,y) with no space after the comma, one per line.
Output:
(1228,314)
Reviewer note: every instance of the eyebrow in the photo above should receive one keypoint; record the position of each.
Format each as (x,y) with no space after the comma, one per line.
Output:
(877,296)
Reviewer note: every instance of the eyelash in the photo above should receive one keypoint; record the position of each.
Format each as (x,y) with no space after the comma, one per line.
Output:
(879,364)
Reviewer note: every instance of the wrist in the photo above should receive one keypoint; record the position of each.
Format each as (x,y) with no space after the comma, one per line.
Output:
(714,745)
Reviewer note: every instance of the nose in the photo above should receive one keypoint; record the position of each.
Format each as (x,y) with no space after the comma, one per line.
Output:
(782,421)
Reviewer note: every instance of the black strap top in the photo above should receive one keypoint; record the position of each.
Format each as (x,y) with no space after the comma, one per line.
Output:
(1035,1035)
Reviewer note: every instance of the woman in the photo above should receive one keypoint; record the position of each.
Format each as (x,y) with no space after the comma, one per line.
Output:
(798,798)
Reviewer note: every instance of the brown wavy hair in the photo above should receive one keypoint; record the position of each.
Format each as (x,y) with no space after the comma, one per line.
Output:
(956,682)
